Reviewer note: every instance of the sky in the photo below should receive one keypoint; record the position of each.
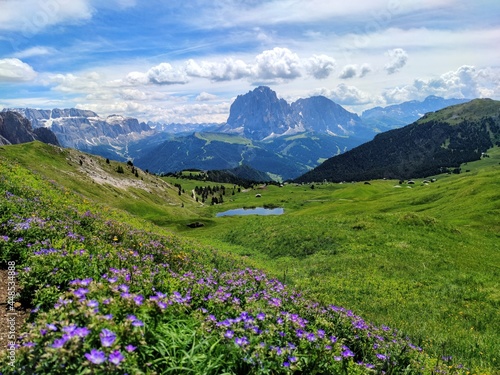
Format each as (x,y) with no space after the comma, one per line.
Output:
(185,61)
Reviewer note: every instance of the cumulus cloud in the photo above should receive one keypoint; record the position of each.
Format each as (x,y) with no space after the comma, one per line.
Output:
(161,74)
(277,64)
(205,97)
(165,74)
(227,70)
(15,70)
(398,59)
(349,71)
(353,70)
(364,70)
(345,95)
(320,66)
(465,82)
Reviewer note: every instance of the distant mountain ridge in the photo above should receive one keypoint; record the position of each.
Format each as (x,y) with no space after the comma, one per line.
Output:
(398,115)
(83,129)
(438,141)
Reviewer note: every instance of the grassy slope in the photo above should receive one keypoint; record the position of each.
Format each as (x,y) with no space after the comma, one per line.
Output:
(424,259)
(473,110)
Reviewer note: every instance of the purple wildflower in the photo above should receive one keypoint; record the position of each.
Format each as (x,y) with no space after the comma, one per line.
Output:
(346,352)
(116,357)
(96,356)
(138,300)
(59,343)
(382,357)
(311,337)
(80,293)
(81,331)
(123,288)
(130,348)
(229,334)
(241,341)
(107,337)
(137,323)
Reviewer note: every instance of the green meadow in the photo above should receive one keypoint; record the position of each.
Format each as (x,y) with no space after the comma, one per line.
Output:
(422,258)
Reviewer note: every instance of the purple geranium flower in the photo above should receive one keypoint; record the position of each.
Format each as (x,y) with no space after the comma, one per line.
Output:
(130,348)
(107,337)
(241,341)
(59,343)
(116,357)
(80,293)
(346,352)
(96,356)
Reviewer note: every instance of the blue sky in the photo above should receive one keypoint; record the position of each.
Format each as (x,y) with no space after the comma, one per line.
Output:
(186,61)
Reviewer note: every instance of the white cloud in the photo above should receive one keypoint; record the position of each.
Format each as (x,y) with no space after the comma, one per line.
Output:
(320,66)
(34,51)
(365,69)
(349,71)
(278,64)
(205,97)
(399,58)
(465,82)
(165,74)
(228,70)
(31,16)
(345,95)
(14,70)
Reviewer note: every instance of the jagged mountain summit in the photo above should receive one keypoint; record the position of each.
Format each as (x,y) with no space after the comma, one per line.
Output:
(15,128)
(438,142)
(261,115)
(83,129)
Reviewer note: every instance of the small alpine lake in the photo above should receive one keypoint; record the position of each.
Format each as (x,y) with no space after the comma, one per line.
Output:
(252,211)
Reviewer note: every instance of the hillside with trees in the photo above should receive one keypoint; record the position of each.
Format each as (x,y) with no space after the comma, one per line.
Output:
(438,142)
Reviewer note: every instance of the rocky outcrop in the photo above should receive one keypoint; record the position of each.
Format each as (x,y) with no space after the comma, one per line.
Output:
(15,128)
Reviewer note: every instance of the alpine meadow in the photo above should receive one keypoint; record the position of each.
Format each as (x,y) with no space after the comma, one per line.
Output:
(353,278)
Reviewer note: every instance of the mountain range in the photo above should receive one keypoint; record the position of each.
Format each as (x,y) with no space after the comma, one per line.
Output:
(398,115)
(86,131)
(262,131)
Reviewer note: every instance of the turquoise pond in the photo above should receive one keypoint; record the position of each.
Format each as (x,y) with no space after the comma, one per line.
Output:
(252,211)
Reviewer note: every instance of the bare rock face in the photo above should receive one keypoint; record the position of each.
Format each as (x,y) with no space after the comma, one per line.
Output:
(15,128)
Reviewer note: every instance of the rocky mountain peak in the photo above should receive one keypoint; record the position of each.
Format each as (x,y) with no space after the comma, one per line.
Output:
(260,114)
